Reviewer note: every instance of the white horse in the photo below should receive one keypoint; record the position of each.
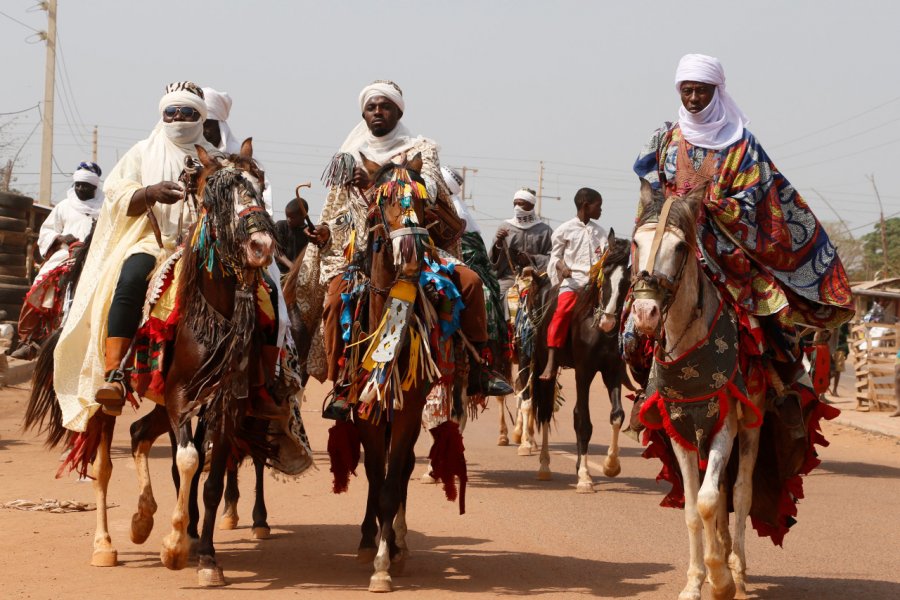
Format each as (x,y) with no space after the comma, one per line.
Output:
(673,294)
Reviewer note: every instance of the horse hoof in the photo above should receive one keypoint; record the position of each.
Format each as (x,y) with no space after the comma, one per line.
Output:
(104,558)
(503,441)
(584,487)
(726,593)
(692,595)
(516,437)
(524,450)
(427,478)
(380,583)
(398,564)
(611,470)
(141,526)
(211,577)
(174,555)
(228,522)
(544,475)
(261,533)
(366,555)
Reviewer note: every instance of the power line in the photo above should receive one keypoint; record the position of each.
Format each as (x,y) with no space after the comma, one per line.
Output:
(839,123)
(67,83)
(25,25)
(834,158)
(18,112)
(839,140)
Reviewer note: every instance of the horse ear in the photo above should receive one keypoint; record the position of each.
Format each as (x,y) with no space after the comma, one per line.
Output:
(203,156)
(415,163)
(646,196)
(370,166)
(611,238)
(246,148)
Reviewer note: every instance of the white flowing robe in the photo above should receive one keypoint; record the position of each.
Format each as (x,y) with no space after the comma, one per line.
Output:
(70,217)
(80,354)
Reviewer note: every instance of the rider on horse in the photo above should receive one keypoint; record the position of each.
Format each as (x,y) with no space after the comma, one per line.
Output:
(65,229)
(139,226)
(378,138)
(577,245)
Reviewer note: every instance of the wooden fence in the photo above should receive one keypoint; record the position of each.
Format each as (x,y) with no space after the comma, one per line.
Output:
(873,348)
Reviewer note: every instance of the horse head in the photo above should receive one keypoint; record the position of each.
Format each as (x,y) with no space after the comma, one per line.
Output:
(615,281)
(399,203)
(664,246)
(234,222)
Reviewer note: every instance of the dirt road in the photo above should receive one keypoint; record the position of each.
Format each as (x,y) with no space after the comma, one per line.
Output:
(519,536)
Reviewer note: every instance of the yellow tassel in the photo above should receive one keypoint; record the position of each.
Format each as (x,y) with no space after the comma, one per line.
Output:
(414,345)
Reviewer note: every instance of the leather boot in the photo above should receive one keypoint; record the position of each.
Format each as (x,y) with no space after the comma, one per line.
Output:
(111,395)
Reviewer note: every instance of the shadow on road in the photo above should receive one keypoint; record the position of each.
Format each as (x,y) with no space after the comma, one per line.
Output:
(859,469)
(823,588)
(323,556)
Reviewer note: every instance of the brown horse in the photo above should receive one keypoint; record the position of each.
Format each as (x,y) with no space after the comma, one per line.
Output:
(389,381)
(592,347)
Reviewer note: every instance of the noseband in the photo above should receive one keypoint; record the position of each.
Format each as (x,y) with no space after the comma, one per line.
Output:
(650,284)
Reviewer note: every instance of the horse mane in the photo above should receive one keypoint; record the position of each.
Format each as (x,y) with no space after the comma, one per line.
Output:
(617,254)
(682,214)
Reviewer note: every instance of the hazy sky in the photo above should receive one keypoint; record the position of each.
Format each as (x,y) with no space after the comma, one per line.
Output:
(500,85)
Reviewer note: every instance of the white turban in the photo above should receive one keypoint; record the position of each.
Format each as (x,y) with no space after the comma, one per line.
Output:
(388,89)
(183,98)
(219,106)
(525,195)
(452,179)
(722,122)
(86,176)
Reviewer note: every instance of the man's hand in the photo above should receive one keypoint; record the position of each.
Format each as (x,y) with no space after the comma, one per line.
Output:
(319,235)
(564,271)
(501,234)
(361,178)
(164,192)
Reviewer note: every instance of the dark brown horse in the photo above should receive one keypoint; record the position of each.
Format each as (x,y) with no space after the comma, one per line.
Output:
(389,380)
(592,346)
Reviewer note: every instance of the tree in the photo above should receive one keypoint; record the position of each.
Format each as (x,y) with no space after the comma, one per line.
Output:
(850,250)
(873,251)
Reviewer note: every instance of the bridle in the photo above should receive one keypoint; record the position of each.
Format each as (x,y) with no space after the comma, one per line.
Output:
(407,189)
(651,284)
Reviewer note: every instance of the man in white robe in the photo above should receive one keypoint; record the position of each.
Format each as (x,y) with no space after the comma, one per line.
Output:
(106,309)
(65,228)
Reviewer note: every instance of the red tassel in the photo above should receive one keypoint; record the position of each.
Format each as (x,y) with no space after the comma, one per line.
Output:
(343,450)
(448,461)
(83,449)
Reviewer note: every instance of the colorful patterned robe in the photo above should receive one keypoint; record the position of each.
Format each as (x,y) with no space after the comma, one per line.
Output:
(758,237)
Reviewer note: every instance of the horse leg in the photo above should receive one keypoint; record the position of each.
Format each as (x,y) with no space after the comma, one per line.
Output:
(373,439)
(517,428)
(544,473)
(690,472)
(404,432)
(398,563)
(503,440)
(526,414)
(104,554)
(193,505)
(209,574)
(176,545)
(232,495)
(583,430)
(743,495)
(611,465)
(261,528)
(144,432)
(708,500)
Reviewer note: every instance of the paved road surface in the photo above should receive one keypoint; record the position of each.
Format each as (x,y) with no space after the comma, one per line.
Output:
(519,536)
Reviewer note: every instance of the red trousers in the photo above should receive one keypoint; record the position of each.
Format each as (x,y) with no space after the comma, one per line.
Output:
(558,330)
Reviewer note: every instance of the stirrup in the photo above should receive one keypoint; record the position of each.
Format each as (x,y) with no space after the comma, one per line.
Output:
(337,407)
(111,396)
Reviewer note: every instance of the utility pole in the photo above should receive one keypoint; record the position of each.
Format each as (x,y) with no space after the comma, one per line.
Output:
(49,105)
(94,146)
(884,256)
(462,186)
(540,190)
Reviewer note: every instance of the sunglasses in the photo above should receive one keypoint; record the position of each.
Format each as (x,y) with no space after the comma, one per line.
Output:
(186,111)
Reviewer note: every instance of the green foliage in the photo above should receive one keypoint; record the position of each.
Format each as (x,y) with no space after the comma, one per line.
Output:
(873,249)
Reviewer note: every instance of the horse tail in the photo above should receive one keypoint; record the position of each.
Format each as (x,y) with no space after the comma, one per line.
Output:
(43,412)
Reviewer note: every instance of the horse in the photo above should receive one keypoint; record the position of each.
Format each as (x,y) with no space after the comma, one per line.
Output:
(390,366)
(674,298)
(207,369)
(592,347)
